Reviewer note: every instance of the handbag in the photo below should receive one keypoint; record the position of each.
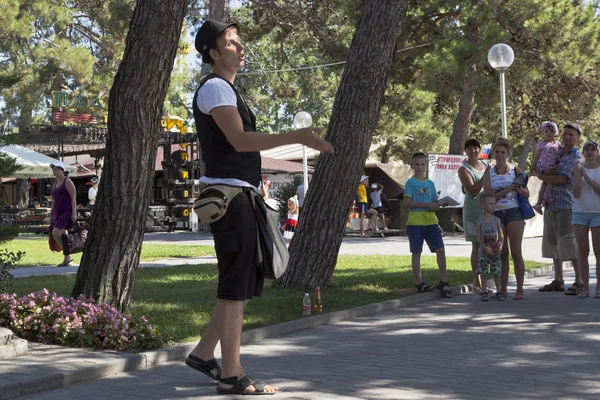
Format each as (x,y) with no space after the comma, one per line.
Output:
(524,205)
(52,243)
(213,201)
(74,241)
(272,252)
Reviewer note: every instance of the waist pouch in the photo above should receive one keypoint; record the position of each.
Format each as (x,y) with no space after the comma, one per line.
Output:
(212,204)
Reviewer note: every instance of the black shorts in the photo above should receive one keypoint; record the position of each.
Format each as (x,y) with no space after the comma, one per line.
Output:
(235,239)
(381,210)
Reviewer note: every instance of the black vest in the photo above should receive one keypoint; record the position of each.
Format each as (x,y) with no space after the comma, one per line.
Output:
(219,156)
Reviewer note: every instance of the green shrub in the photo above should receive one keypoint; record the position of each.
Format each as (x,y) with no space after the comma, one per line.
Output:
(8,259)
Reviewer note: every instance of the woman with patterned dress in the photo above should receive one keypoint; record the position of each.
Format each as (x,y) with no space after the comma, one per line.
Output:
(292,219)
(470,175)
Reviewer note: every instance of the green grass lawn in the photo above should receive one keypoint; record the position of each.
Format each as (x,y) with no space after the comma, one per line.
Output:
(179,300)
(38,252)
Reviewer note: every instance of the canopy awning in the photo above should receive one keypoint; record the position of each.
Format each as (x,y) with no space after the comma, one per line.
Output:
(34,164)
(397,171)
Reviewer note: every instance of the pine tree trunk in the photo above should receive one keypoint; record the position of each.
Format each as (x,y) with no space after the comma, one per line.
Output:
(314,250)
(110,259)
(460,129)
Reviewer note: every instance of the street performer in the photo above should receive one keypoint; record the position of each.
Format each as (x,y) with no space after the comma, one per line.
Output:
(231,148)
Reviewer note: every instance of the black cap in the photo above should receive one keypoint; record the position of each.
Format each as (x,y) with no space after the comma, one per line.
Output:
(207,37)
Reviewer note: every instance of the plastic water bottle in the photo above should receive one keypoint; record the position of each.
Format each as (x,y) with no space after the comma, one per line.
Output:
(306,304)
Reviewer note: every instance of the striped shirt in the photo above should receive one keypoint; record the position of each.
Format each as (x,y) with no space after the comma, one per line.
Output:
(563,198)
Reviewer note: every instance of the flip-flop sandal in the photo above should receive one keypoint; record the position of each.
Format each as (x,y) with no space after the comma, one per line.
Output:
(240,386)
(574,290)
(554,286)
(519,296)
(204,366)
(424,288)
(444,289)
(65,264)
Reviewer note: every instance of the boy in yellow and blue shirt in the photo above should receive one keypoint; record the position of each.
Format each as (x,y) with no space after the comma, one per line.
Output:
(421,199)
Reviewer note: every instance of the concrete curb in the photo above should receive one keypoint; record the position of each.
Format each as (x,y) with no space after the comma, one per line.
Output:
(150,358)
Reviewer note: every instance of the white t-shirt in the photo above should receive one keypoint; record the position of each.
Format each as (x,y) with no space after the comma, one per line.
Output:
(92,193)
(217,93)
(588,201)
(376,198)
(499,183)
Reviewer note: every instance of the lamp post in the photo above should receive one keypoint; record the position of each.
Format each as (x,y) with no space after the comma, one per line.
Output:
(500,57)
(303,120)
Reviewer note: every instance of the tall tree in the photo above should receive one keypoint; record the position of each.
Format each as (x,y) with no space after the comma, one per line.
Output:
(49,45)
(355,113)
(110,260)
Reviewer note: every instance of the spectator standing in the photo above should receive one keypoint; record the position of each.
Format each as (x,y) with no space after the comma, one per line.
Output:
(558,241)
(490,238)
(505,182)
(470,175)
(586,213)
(300,194)
(292,219)
(93,191)
(421,199)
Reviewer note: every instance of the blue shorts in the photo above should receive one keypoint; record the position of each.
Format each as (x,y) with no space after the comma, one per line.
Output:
(363,207)
(432,234)
(509,215)
(591,220)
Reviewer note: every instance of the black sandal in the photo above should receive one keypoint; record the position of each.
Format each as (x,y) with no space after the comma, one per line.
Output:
(240,386)
(444,288)
(424,288)
(204,366)
(554,286)
(575,289)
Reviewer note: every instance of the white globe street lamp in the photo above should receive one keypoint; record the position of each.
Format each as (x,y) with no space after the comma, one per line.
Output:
(500,57)
(303,120)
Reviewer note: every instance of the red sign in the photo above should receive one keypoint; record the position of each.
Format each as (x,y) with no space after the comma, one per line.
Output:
(76,118)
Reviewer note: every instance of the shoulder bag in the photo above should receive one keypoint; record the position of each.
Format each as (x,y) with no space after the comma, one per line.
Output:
(273,256)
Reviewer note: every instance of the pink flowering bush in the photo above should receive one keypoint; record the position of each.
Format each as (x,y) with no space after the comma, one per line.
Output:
(48,318)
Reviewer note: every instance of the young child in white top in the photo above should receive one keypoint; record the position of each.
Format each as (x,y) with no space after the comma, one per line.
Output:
(292,219)
(548,153)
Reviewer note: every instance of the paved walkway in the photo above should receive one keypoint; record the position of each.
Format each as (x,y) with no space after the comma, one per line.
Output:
(544,347)
(397,245)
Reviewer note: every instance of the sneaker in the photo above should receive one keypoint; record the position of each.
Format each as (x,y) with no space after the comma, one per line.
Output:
(484,297)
